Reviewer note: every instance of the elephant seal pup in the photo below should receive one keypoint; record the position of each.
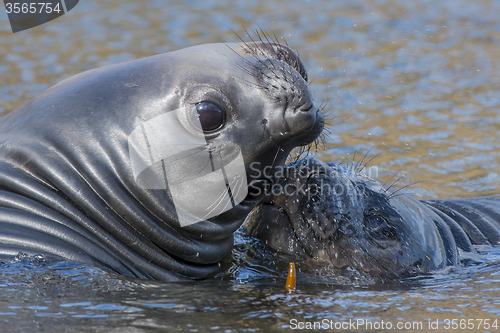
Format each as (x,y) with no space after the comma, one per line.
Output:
(343,219)
(142,168)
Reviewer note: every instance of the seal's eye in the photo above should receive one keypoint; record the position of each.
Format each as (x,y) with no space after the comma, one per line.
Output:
(208,115)
(380,228)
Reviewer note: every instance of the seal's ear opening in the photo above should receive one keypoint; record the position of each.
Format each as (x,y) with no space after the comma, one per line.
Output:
(279,52)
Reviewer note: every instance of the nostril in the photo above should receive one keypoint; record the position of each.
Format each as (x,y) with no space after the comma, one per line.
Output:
(306,108)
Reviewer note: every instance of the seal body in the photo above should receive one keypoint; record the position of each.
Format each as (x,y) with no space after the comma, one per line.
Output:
(85,175)
(341,217)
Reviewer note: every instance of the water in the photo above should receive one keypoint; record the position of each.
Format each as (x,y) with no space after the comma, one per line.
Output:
(60,296)
(412,83)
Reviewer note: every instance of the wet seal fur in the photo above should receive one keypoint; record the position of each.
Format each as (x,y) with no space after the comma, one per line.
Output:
(340,218)
(66,181)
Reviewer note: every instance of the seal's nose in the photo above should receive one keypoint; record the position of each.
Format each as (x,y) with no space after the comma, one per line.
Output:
(307,107)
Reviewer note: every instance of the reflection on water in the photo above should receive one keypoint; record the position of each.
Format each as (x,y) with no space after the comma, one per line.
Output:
(414,81)
(56,296)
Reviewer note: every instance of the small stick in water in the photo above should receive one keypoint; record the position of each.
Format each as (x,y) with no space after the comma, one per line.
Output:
(290,280)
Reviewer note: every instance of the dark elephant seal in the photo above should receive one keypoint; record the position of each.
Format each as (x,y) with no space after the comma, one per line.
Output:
(109,167)
(339,216)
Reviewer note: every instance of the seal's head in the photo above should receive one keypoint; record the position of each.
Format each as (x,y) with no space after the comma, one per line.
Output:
(234,109)
(143,167)
(341,218)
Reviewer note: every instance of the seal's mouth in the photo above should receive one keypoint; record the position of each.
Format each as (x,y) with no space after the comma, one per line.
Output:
(258,189)
(272,50)
(284,215)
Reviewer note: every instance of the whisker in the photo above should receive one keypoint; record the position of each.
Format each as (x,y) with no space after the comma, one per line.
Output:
(393,194)
(394,183)
(370,160)
(360,162)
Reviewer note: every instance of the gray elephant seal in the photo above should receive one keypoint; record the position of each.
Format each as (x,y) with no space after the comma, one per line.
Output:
(342,218)
(105,167)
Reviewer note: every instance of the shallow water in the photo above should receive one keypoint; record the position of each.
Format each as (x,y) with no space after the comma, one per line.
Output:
(412,83)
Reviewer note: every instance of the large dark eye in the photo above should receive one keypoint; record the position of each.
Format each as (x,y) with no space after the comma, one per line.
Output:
(208,115)
(379,228)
